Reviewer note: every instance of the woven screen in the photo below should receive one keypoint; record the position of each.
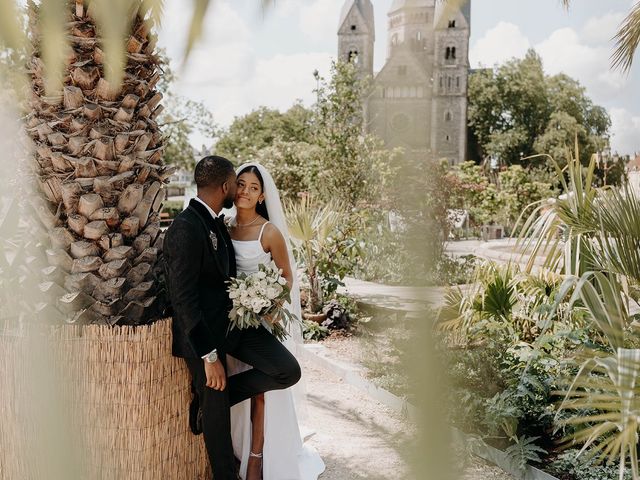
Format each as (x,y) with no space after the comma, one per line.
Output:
(125,401)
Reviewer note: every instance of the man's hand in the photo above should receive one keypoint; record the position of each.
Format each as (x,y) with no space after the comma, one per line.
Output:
(216,376)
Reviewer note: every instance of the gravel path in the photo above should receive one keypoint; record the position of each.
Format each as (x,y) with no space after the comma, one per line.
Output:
(359,438)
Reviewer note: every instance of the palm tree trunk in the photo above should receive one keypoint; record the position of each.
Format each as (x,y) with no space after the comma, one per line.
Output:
(98,161)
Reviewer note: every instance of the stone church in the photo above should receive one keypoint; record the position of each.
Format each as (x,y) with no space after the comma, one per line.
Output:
(419,98)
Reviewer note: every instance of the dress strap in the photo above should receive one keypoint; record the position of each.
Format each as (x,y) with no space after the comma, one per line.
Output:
(262,230)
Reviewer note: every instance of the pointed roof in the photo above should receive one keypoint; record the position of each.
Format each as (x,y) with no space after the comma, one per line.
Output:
(398,4)
(365,7)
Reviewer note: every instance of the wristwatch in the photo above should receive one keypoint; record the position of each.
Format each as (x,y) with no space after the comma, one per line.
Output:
(211,357)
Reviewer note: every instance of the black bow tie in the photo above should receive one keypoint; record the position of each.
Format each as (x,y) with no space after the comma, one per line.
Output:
(220,220)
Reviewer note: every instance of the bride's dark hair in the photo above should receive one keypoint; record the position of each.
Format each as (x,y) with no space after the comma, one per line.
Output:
(261,208)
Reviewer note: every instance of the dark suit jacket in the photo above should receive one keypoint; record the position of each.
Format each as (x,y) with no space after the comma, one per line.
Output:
(199,261)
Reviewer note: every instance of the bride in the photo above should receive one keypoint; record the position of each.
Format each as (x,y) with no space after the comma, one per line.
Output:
(265,430)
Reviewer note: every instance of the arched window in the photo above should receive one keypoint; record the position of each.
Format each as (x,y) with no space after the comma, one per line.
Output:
(447,53)
(353,56)
(452,24)
(453,52)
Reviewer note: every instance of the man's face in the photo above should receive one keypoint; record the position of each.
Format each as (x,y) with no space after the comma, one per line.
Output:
(231,191)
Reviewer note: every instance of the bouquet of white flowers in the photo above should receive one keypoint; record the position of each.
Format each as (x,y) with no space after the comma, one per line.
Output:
(257,295)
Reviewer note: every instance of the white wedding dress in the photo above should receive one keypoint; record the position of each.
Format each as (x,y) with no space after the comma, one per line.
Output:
(285,455)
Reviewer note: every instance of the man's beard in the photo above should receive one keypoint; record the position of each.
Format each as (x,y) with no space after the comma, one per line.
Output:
(228,202)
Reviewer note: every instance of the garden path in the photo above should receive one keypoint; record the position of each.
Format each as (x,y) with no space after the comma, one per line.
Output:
(360,438)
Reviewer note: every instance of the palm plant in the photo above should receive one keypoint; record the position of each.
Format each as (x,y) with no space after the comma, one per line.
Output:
(592,236)
(311,225)
(99,163)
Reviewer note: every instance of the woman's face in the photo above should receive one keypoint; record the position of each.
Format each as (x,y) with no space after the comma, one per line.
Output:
(249,191)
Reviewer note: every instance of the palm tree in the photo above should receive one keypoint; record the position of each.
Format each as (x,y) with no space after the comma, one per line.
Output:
(98,159)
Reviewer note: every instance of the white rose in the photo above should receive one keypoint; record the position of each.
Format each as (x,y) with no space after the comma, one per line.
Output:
(257,305)
(273,292)
(233,294)
(282,281)
(261,275)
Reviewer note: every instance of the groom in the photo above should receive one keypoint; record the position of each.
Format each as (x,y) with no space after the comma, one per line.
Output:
(199,261)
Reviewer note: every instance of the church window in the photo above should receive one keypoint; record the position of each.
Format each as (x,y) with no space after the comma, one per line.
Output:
(402,70)
(449,83)
(447,138)
(453,52)
(441,82)
(458,83)
(353,56)
(447,53)
(447,116)
(400,122)
(452,24)
(353,27)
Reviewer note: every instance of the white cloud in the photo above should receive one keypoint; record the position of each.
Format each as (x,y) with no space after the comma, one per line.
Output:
(275,82)
(499,44)
(564,51)
(626,131)
(223,50)
(599,30)
(319,20)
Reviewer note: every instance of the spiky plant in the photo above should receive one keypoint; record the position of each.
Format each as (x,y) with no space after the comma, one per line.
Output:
(98,160)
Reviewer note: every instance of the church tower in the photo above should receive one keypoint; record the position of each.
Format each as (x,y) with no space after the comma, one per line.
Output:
(356,34)
(450,78)
(399,108)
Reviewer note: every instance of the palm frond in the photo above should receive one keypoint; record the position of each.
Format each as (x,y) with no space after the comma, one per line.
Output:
(55,44)
(608,387)
(627,40)
(11,33)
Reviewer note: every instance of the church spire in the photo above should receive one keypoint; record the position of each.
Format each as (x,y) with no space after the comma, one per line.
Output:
(356,34)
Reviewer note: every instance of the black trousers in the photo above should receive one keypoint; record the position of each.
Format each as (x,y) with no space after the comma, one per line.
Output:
(274,368)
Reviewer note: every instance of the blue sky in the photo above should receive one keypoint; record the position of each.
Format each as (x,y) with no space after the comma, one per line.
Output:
(249,58)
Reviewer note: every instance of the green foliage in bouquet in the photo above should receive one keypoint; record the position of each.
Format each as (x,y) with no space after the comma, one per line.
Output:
(258,295)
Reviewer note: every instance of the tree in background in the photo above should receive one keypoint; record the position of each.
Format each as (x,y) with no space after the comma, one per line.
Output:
(323,151)
(515,111)
(501,201)
(260,128)
(355,167)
